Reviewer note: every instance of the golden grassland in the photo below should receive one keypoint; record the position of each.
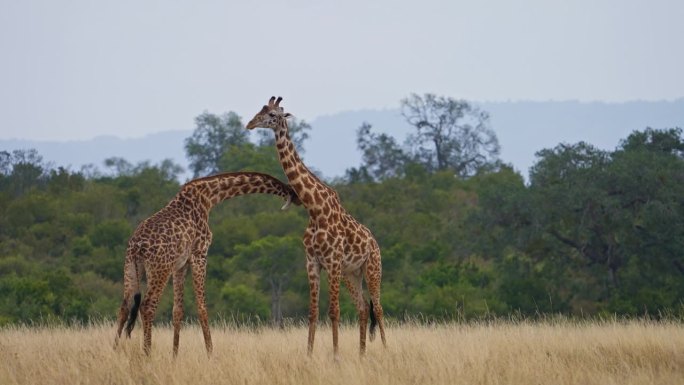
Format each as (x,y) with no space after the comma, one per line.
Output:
(499,352)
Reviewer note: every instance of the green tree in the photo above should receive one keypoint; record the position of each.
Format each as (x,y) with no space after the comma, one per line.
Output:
(5,163)
(610,221)
(450,134)
(592,232)
(26,170)
(211,138)
(645,177)
(276,259)
(572,174)
(41,295)
(243,299)
(120,166)
(382,157)
(251,157)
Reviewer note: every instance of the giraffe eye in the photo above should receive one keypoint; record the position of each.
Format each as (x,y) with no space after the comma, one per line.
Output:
(272,114)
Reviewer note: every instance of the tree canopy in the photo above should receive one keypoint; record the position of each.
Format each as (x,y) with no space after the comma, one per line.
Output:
(592,232)
(450,134)
(212,137)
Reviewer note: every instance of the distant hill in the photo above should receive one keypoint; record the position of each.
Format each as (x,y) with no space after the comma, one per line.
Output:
(75,154)
(523,128)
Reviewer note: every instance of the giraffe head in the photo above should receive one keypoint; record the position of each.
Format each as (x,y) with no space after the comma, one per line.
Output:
(270,115)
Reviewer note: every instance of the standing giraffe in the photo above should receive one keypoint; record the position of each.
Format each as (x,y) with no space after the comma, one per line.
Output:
(333,240)
(178,236)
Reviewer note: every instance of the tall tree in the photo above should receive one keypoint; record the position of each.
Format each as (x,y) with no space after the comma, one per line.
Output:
(27,167)
(573,204)
(5,163)
(614,218)
(646,176)
(213,135)
(119,166)
(382,156)
(450,134)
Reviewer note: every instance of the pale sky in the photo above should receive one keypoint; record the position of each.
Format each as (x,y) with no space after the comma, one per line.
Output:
(79,69)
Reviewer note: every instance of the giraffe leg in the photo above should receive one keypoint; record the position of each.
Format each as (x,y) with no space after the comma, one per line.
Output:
(354,283)
(334,311)
(199,274)
(178,285)
(373,279)
(314,275)
(156,280)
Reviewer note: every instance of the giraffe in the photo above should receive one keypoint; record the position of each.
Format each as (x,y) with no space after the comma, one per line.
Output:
(333,240)
(178,237)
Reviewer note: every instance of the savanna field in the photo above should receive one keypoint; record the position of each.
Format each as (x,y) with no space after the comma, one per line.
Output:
(501,184)
(499,352)
(467,248)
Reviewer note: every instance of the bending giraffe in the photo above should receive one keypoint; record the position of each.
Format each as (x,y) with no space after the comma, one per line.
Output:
(333,240)
(178,237)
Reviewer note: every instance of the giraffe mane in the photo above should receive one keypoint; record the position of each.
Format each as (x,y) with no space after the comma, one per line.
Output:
(223,175)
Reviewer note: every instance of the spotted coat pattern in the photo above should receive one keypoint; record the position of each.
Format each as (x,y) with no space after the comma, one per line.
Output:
(333,240)
(177,237)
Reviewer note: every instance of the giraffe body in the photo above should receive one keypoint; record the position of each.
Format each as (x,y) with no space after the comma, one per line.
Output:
(333,240)
(176,238)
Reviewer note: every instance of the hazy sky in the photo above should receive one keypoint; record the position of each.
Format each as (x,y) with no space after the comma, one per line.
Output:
(78,69)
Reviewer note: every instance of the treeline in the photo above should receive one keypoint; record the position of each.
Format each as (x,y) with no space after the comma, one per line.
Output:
(463,235)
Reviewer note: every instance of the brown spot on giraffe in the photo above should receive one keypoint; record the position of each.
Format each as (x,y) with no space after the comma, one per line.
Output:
(175,238)
(308,182)
(327,238)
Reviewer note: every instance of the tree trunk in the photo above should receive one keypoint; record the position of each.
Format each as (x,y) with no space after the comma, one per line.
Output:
(276,308)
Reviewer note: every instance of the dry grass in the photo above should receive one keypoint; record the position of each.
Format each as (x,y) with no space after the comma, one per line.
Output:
(481,353)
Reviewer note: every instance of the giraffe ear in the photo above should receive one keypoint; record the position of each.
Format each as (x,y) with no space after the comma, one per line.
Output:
(288,115)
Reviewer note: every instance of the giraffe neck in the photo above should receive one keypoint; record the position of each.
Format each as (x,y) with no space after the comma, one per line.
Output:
(307,185)
(209,191)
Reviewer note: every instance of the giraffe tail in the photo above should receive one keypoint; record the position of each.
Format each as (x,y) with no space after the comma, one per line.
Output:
(134,275)
(133,315)
(373,322)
